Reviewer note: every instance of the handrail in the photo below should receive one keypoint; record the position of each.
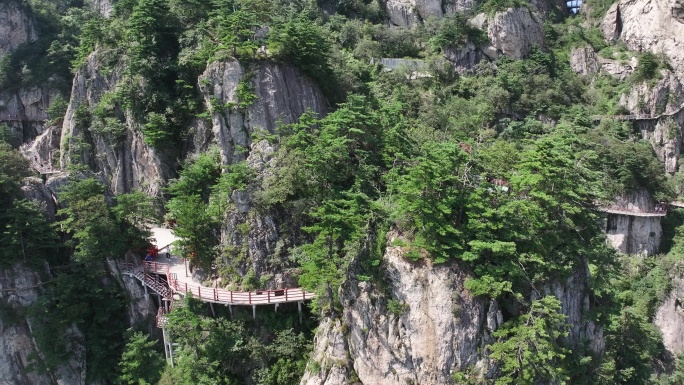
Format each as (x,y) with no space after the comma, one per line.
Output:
(638,116)
(626,211)
(211,294)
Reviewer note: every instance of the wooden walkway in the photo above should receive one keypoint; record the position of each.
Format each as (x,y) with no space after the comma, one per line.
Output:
(151,272)
(633,213)
(17,118)
(597,118)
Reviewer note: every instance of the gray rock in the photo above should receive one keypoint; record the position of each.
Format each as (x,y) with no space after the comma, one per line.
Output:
(17,27)
(631,234)
(516,31)
(660,107)
(282,96)
(141,308)
(440,328)
(584,61)
(648,25)
(35,190)
(25,111)
(43,151)
(103,7)
(670,316)
(409,13)
(466,58)
(611,25)
(16,340)
(126,165)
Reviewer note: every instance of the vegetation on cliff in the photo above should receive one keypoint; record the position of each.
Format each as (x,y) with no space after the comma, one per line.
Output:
(497,168)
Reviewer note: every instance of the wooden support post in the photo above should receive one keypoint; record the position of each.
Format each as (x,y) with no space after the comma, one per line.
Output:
(159,299)
(230,309)
(254,311)
(166,345)
(276,307)
(171,349)
(299,308)
(213,312)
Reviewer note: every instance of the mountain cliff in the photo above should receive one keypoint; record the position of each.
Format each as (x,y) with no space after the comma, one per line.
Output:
(447,213)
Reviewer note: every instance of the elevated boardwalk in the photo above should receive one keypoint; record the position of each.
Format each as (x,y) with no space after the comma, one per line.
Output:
(18,118)
(150,272)
(634,213)
(597,118)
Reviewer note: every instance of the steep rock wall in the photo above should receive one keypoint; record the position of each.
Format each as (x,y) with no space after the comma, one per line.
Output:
(282,94)
(670,315)
(127,163)
(648,25)
(513,32)
(407,13)
(662,104)
(17,26)
(16,341)
(22,110)
(631,234)
(142,310)
(440,328)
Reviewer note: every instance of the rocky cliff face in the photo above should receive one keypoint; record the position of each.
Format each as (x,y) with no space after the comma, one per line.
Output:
(17,27)
(142,310)
(281,94)
(126,162)
(670,316)
(435,326)
(631,234)
(513,32)
(648,25)
(22,110)
(19,288)
(407,13)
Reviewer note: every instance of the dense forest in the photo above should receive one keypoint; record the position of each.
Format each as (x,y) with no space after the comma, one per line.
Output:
(498,168)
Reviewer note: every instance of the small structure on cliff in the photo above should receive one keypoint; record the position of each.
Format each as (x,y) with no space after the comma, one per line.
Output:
(632,223)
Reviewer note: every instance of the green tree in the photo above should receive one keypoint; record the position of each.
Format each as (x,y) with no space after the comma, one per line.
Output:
(338,222)
(528,348)
(88,218)
(26,234)
(431,198)
(140,362)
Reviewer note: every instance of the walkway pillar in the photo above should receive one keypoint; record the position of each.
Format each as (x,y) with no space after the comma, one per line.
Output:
(299,308)
(230,309)
(170,349)
(254,311)
(276,307)
(213,312)
(166,345)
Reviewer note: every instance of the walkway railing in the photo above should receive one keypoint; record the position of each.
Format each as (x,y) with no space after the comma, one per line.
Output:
(635,213)
(149,270)
(636,117)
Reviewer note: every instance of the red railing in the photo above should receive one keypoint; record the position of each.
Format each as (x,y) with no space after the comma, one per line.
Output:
(212,294)
(161,318)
